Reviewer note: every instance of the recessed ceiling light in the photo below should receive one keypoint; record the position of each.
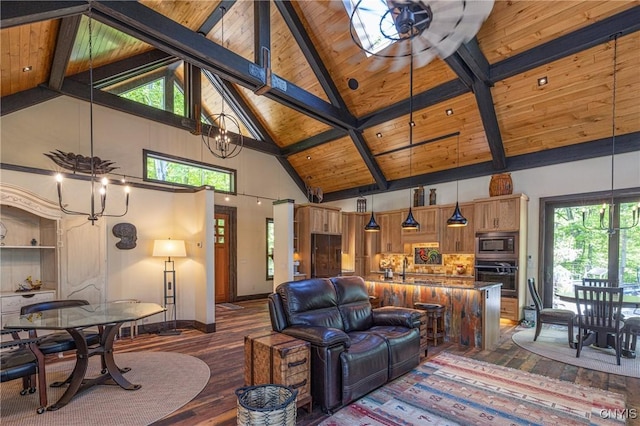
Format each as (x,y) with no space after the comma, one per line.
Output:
(448,111)
(379,134)
(542,81)
(308,157)
(412,123)
(27,69)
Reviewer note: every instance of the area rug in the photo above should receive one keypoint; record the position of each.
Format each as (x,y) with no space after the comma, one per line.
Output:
(169,380)
(453,390)
(552,343)
(229,306)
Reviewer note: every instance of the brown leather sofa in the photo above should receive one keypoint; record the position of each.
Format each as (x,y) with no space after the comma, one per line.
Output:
(354,348)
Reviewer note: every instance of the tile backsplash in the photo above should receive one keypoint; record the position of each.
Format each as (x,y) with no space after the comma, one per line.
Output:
(448,266)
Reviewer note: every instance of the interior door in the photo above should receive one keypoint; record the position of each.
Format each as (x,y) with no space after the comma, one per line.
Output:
(222,257)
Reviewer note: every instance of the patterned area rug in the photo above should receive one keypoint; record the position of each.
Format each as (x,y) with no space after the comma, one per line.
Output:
(169,380)
(552,343)
(453,390)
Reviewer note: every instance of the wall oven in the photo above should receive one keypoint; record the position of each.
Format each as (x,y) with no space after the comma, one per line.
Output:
(496,260)
(499,271)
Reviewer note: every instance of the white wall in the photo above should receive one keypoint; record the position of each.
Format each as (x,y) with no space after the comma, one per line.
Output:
(62,123)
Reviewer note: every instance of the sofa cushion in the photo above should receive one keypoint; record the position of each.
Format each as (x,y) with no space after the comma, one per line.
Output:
(404,347)
(354,303)
(364,365)
(310,302)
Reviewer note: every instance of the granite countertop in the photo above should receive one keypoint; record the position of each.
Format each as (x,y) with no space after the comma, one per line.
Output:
(419,275)
(449,282)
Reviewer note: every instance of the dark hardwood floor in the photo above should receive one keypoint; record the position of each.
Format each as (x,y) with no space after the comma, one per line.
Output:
(223,351)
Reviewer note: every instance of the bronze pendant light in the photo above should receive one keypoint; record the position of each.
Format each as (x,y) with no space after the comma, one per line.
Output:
(457,220)
(410,222)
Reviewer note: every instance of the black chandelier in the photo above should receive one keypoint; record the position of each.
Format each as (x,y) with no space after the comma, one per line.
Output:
(224,138)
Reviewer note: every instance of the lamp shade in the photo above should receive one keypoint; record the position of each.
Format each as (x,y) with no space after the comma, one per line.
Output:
(169,248)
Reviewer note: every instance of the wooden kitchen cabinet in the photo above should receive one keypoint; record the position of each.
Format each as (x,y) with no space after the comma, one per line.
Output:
(429,220)
(325,220)
(353,235)
(498,213)
(458,239)
(390,231)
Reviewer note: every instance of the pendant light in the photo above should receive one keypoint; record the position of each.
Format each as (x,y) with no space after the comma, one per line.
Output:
(457,220)
(410,222)
(224,138)
(94,213)
(607,220)
(372,226)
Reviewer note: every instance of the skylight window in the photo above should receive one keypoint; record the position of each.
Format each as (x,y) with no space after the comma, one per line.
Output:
(368,21)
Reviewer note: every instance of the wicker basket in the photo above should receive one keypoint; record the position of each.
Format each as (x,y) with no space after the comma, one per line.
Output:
(267,405)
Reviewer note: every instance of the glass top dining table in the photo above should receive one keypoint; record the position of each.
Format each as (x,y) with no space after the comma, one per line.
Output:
(84,316)
(108,317)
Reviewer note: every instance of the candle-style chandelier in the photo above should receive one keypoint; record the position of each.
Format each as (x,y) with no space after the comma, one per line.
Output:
(608,211)
(92,165)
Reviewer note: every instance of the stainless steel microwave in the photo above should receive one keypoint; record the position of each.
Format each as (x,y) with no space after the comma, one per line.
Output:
(497,245)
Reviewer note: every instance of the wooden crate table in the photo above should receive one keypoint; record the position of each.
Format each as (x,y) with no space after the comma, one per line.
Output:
(275,358)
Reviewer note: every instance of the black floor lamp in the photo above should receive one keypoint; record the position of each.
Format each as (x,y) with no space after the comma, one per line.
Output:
(169,248)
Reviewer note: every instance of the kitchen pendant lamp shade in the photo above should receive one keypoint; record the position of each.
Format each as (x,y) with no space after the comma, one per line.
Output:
(457,220)
(410,222)
(372,226)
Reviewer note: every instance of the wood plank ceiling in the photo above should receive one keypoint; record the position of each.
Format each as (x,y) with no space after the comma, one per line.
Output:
(354,141)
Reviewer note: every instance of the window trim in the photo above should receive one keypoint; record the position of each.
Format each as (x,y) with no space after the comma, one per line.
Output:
(267,222)
(545,231)
(188,162)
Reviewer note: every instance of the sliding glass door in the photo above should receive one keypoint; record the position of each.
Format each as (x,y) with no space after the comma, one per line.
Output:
(575,245)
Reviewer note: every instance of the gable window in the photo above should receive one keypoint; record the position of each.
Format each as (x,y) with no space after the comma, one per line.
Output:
(164,168)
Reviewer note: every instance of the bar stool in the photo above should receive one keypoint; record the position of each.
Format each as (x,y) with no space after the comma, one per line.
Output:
(435,321)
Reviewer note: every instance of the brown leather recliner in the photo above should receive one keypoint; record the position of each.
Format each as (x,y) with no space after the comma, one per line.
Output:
(354,348)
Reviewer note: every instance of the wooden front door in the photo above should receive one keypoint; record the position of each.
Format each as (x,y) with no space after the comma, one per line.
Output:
(222,256)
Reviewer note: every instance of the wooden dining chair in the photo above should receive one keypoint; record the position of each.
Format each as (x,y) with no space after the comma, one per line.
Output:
(599,282)
(599,311)
(550,315)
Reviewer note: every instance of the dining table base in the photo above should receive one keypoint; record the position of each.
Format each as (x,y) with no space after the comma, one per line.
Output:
(604,340)
(111,373)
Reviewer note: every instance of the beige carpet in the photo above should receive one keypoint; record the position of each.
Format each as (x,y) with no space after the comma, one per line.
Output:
(552,343)
(169,380)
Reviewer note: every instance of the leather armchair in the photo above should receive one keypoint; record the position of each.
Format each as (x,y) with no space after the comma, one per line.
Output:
(354,348)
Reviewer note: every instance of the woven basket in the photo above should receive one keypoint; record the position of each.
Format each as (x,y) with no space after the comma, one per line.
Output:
(266,405)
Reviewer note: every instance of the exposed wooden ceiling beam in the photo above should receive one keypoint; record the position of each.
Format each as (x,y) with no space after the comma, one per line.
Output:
(139,21)
(322,74)
(13,13)
(76,89)
(624,23)
(64,44)
(584,151)
(26,99)
(215,17)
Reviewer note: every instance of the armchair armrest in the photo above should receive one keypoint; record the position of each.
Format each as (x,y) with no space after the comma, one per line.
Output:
(319,336)
(395,315)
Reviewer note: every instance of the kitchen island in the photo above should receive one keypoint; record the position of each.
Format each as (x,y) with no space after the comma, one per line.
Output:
(472,308)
